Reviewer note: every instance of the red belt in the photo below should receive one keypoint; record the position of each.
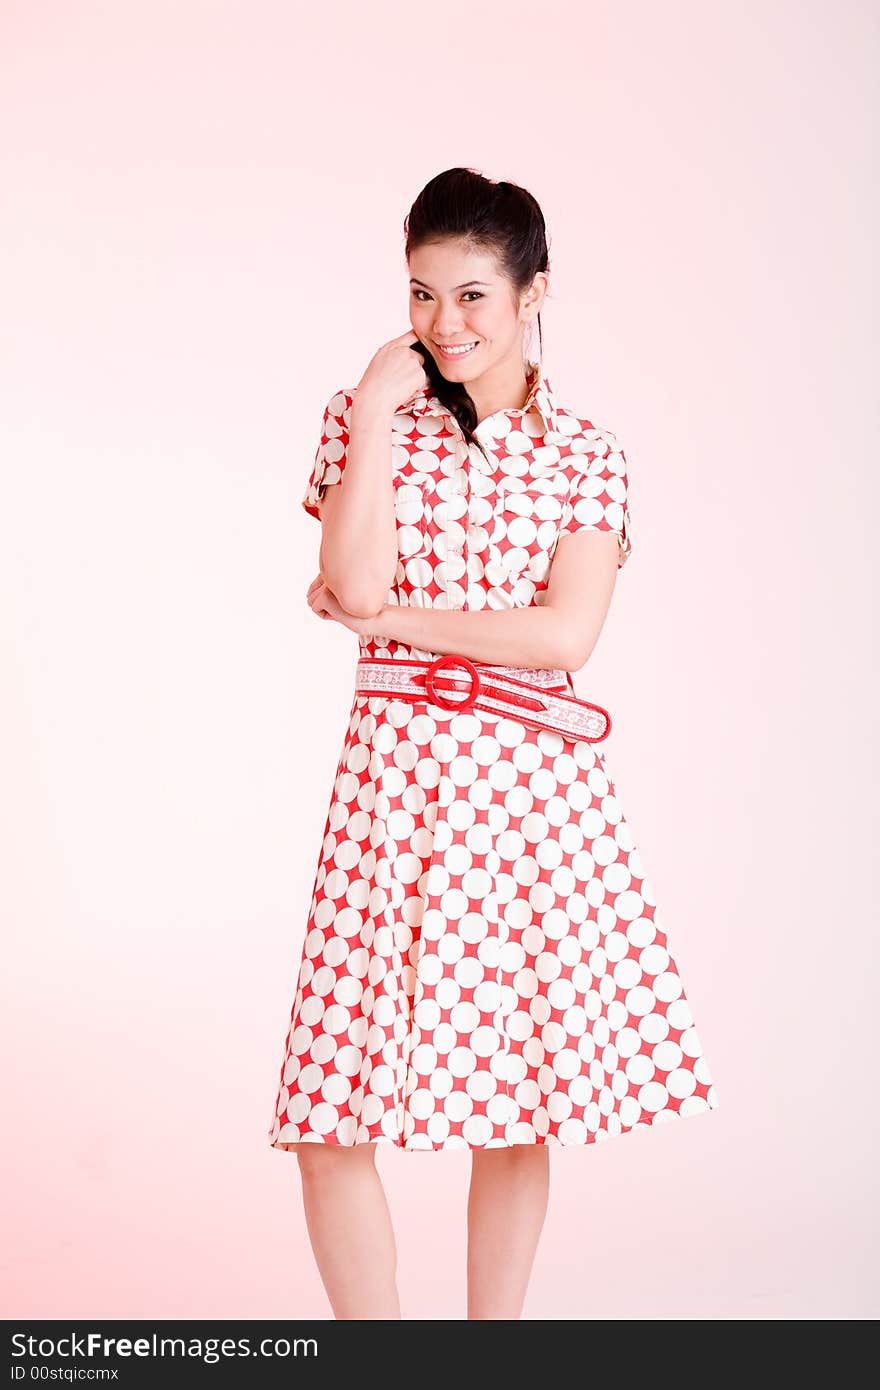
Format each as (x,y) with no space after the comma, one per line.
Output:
(532,701)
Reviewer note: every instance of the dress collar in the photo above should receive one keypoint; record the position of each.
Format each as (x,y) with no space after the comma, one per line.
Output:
(540,396)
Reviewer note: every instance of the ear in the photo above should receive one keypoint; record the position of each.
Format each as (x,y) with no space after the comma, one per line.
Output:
(537,291)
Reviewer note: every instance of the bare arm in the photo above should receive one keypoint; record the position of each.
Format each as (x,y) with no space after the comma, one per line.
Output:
(558,634)
(358,554)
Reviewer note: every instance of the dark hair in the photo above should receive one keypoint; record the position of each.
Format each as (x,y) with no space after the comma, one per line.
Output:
(500,218)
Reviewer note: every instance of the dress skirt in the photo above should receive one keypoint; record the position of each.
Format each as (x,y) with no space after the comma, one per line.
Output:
(484,962)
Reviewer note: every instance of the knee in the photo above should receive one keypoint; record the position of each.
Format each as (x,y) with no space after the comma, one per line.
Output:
(321,1162)
(514,1157)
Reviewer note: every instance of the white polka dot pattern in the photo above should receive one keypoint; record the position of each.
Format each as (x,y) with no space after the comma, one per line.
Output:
(484,964)
(481,533)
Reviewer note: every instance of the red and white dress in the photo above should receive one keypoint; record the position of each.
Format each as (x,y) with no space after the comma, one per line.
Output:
(484,963)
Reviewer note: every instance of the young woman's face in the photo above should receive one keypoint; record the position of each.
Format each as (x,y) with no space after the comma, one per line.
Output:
(458,299)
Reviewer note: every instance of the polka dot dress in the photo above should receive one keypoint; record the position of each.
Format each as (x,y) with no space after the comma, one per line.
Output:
(484,963)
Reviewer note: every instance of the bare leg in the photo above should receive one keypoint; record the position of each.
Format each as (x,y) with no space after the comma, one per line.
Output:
(507,1203)
(350,1229)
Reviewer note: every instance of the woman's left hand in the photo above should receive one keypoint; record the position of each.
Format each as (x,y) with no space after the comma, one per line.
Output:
(324,602)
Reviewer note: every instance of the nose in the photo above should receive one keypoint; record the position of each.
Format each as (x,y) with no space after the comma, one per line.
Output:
(447,322)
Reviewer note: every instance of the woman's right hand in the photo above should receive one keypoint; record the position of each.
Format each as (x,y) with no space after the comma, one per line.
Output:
(394,375)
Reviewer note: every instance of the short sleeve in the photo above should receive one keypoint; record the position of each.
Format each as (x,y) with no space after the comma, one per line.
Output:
(332,451)
(598,500)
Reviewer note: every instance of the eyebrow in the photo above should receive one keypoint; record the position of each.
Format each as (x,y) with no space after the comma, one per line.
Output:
(485,283)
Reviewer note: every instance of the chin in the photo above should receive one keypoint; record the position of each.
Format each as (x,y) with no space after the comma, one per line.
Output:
(460,371)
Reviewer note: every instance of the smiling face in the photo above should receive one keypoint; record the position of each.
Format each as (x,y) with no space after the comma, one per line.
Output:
(460,299)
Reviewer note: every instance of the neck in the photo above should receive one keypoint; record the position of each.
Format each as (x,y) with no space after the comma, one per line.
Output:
(504,387)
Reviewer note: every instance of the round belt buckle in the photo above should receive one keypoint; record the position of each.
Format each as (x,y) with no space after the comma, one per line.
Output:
(439,699)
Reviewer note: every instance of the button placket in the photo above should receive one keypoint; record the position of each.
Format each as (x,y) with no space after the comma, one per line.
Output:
(460,487)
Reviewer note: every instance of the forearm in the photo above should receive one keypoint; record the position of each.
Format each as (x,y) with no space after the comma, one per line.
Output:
(358,552)
(535,638)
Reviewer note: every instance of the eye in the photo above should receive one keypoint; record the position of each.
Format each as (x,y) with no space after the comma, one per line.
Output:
(476,294)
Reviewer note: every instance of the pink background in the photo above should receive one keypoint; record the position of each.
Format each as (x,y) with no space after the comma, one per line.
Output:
(201,241)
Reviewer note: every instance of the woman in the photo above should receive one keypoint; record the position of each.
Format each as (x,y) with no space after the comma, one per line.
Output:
(483,965)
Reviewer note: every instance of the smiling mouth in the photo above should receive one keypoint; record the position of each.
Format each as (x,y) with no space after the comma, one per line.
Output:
(461,350)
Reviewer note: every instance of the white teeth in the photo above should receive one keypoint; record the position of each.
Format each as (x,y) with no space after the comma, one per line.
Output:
(457,351)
